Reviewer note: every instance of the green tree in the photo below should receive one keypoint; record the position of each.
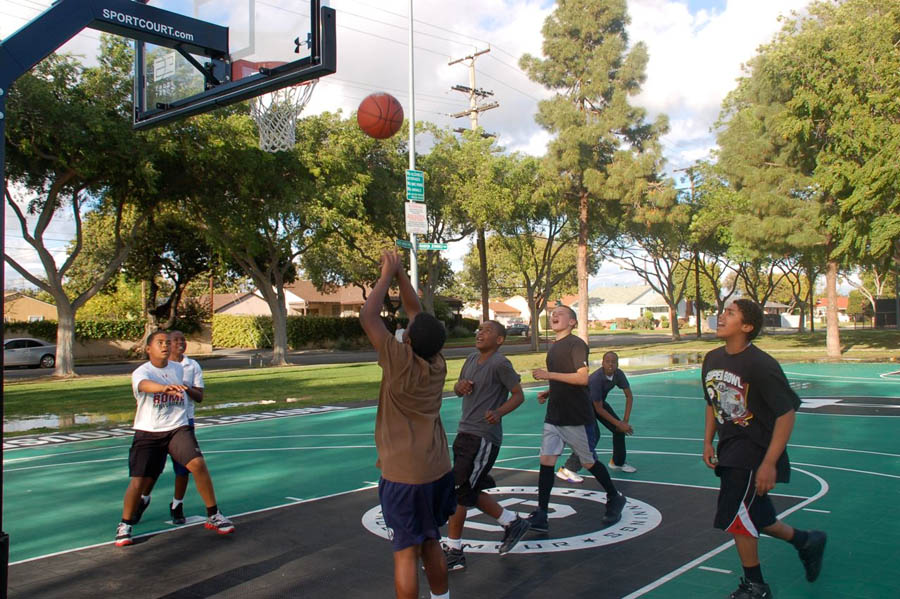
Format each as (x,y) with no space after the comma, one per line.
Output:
(65,122)
(812,133)
(602,144)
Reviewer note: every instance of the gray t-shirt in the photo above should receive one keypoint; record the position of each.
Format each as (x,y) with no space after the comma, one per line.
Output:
(492,382)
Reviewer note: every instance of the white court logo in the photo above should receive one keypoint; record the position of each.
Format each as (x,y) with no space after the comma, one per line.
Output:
(637,518)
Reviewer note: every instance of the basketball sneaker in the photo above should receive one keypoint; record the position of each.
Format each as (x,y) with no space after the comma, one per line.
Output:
(614,508)
(141,508)
(567,475)
(752,590)
(177,514)
(537,521)
(220,524)
(812,552)
(456,559)
(514,532)
(625,467)
(123,535)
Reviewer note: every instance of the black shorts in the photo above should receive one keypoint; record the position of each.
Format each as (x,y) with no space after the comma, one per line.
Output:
(415,513)
(147,456)
(473,458)
(741,510)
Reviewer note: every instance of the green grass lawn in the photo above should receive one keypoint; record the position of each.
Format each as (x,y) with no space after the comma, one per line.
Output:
(316,385)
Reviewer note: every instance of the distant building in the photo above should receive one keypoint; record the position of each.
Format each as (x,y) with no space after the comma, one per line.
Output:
(610,303)
(18,307)
(502,312)
(842,303)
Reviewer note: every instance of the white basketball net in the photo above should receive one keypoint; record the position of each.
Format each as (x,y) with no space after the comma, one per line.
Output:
(276,115)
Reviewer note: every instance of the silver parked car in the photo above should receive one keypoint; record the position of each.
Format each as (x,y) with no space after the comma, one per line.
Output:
(26,351)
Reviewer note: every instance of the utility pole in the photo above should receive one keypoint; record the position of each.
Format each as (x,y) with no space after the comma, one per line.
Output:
(474,110)
(413,262)
(697,301)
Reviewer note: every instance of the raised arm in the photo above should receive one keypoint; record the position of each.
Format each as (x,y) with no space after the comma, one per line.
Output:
(409,299)
(370,315)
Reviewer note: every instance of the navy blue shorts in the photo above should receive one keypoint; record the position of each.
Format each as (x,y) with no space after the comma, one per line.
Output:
(177,467)
(415,513)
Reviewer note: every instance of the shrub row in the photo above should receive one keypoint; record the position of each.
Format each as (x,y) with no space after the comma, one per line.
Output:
(87,330)
(257,332)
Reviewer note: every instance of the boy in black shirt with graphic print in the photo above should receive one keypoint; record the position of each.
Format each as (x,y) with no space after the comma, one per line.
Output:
(569,412)
(751,406)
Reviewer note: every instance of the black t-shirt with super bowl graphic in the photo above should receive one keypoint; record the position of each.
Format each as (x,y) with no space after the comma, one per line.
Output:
(748,392)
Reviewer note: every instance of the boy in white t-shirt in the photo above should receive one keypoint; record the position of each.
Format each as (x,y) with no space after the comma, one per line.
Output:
(193,380)
(161,428)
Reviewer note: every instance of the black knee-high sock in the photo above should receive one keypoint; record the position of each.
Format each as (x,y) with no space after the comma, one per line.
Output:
(799,539)
(602,475)
(545,485)
(754,574)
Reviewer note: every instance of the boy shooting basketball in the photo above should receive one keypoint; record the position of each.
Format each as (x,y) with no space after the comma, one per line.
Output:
(752,408)
(160,429)
(416,487)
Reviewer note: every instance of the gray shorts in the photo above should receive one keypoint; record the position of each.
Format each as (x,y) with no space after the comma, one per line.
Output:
(556,437)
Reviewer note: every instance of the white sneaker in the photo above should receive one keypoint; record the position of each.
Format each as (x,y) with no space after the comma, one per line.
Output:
(568,476)
(626,467)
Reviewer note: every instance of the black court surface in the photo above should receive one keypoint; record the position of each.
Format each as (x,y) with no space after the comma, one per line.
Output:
(301,492)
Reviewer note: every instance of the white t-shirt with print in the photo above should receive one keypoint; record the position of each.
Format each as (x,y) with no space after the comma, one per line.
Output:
(193,377)
(159,412)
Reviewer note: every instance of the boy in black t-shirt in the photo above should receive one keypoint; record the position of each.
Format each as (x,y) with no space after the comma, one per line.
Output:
(752,408)
(568,413)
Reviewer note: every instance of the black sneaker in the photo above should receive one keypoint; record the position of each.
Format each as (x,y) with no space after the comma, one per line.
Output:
(141,508)
(513,534)
(752,590)
(456,559)
(614,508)
(812,552)
(177,514)
(537,520)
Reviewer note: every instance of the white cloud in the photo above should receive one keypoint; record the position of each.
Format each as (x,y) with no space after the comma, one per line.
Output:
(694,58)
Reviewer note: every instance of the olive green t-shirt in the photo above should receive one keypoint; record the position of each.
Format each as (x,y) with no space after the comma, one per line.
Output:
(409,435)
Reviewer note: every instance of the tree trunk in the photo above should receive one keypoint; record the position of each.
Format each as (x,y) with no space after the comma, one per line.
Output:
(65,337)
(581,267)
(483,275)
(535,318)
(833,334)
(279,331)
(697,301)
(673,319)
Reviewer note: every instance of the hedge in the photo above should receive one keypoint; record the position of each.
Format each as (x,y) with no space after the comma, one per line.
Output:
(87,330)
(256,331)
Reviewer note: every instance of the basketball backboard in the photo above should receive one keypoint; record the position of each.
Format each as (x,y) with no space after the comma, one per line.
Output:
(271,44)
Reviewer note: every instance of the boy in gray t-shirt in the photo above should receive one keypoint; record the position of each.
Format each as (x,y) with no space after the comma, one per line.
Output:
(490,390)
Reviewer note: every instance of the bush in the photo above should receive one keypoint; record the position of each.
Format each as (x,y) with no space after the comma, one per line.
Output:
(85,330)
(471,324)
(664,322)
(459,332)
(302,331)
(624,324)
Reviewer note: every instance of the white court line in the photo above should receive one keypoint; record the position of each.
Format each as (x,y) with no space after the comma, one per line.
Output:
(719,570)
(168,530)
(809,509)
(846,470)
(823,489)
(838,376)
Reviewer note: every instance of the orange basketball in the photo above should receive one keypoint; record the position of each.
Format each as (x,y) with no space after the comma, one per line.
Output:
(380,115)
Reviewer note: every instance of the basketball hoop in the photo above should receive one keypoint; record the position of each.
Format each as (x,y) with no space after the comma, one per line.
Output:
(276,115)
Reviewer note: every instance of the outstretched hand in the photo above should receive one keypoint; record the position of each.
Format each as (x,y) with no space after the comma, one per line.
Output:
(390,263)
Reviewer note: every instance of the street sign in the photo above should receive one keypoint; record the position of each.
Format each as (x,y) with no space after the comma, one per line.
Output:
(404,244)
(415,186)
(432,246)
(416,218)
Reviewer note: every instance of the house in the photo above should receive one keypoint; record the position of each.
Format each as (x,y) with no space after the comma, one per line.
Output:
(343,301)
(18,307)
(842,303)
(251,303)
(502,312)
(610,303)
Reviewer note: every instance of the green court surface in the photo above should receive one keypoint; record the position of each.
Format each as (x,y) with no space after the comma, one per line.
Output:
(844,450)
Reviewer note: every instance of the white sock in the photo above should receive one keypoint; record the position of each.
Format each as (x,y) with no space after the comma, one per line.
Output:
(176,502)
(145,499)
(444,596)
(454,543)
(506,517)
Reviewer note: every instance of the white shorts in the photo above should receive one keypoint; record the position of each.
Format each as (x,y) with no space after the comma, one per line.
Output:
(556,437)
